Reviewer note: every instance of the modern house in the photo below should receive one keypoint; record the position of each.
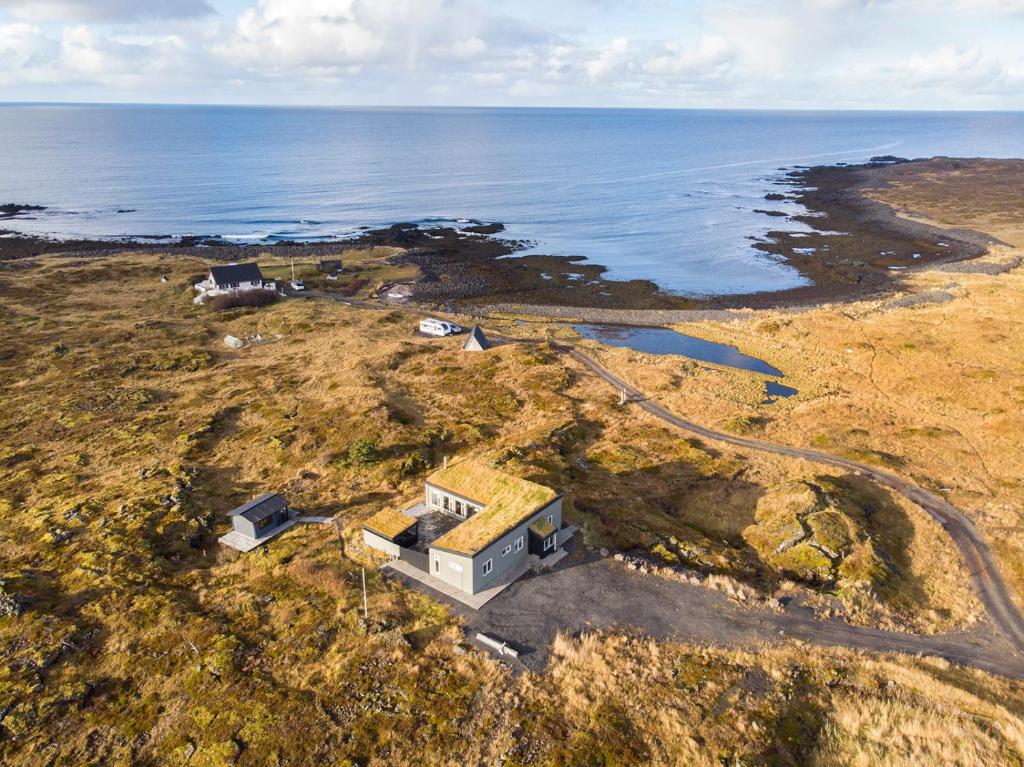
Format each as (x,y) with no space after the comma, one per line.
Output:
(261,516)
(490,523)
(477,341)
(330,266)
(232,278)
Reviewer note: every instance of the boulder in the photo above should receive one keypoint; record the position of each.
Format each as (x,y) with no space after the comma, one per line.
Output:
(233,343)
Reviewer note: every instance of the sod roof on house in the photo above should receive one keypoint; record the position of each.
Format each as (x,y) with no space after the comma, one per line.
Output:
(507,502)
(389,523)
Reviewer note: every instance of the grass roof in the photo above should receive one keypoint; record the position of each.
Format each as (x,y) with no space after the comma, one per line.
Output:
(543,528)
(389,523)
(507,502)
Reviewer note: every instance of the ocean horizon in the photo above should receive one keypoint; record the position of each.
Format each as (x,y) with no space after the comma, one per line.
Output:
(674,196)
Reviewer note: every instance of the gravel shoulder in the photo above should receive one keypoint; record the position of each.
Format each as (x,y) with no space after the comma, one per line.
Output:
(586,593)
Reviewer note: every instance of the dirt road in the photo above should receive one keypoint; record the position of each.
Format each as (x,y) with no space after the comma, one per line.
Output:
(985,575)
(586,593)
(1007,659)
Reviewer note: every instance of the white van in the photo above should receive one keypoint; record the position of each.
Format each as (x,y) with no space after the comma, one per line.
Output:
(433,327)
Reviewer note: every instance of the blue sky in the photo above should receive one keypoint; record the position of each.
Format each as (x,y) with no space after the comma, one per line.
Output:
(884,54)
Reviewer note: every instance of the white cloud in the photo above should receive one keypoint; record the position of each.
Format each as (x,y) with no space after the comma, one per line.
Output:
(106,10)
(320,33)
(717,53)
(948,69)
(609,60)
(714,57)
(468,48)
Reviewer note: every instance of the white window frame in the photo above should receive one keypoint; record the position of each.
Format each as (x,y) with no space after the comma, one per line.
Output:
(549,542)
(507,550)
(551,518)
(488,566)
(519,543)
(437,564)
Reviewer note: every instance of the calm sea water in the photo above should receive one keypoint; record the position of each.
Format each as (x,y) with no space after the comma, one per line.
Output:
(664,195)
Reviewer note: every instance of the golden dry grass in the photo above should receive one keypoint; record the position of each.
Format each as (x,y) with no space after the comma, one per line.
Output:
(130,429)
(389,522)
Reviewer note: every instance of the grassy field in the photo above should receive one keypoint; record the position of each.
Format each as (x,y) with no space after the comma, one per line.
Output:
(364,271)
(127,636)
(933,390)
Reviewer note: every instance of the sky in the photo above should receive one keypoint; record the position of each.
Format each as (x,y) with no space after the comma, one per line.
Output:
(771,54)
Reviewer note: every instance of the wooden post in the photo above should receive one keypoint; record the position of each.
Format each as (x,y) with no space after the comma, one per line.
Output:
(366,609)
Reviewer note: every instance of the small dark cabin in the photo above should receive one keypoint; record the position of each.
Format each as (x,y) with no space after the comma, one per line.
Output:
(260,516)
(331,266)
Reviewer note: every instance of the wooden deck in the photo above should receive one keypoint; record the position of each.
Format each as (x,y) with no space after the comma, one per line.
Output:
(244,543)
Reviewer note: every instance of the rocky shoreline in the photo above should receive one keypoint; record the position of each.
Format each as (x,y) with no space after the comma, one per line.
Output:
(856,247)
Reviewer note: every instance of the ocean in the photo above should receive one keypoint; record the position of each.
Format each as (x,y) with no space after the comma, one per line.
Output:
(666,195)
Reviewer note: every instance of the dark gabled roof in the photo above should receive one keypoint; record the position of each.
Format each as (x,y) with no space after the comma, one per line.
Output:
(261,507)
(226,275)
(477,339)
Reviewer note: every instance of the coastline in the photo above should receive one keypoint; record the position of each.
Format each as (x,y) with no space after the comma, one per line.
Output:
(856,247)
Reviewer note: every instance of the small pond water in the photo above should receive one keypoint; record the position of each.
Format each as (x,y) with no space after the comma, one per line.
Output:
(666,341)
(774,389)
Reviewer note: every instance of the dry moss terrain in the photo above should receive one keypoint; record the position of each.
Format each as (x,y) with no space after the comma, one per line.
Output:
(929,384)
(128,636)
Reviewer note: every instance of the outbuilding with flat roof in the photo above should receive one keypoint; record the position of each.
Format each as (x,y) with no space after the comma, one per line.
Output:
(390,530)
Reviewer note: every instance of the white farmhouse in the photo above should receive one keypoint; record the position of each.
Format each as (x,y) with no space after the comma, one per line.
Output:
(231,279)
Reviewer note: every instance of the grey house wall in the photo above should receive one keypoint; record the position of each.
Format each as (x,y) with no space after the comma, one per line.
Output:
(503,564)
(380,543)
(245,527)
(470,575)
(454,569)
(441,493)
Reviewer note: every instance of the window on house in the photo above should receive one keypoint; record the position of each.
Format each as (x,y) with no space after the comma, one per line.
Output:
(437,564)
(507,550)
(458,508)
(434,500)
(488,566)
(447,503)
(264,523)
(549,543)
(551,518)
(234,285)
(519,543)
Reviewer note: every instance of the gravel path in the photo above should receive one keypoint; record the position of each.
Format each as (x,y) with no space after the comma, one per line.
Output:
(602,600)
(981,563)
(587,593)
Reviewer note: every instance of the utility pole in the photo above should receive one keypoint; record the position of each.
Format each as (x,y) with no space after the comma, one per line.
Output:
(366,609)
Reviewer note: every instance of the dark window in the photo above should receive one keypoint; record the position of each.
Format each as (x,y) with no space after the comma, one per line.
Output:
(266,522)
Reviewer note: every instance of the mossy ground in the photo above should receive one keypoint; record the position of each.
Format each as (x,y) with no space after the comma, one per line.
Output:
(130,429)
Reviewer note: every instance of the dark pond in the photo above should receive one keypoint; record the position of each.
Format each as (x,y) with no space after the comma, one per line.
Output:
(665,341)
(774,389)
